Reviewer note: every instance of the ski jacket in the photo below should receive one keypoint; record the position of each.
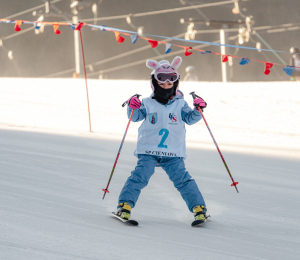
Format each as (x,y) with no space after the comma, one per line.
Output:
(188,115)
(163,131)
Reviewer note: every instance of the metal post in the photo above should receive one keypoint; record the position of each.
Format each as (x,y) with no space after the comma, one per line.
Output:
(224,50)
(223,64)
(76,47)
(78,54)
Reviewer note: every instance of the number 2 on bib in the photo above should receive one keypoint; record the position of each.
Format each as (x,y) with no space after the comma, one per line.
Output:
(164,132)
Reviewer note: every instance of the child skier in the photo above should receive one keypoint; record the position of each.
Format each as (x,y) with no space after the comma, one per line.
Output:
(161,139)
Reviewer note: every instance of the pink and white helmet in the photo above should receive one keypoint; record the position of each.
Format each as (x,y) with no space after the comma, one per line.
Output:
(164,71)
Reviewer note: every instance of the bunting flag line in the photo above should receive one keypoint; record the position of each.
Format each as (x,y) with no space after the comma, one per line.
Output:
(268,66)
(73,26)
(154,43)
(105,28)
(189,41)
(289,70)
(186,53)
(224,58)
(37,26)
(244,61)
(18,26)
(133,38)
(55,27)
(119,38)
(101,28)
(168,48)
(79,26)
(205,52)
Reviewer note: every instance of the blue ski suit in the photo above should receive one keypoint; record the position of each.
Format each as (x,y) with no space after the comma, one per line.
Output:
(174,166)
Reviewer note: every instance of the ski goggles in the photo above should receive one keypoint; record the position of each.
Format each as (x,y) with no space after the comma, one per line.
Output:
(164,77)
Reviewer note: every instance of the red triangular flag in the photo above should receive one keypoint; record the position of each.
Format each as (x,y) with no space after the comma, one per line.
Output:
(119,38)
(79,26)
(224,58)
(153,43)
(18,26)
(55,27)
(268,66)
(186,53)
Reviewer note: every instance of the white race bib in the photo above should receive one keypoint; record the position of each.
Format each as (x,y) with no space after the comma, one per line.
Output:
(163,132)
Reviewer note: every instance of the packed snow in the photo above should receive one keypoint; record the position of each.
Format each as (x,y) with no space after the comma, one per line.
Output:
(53,169)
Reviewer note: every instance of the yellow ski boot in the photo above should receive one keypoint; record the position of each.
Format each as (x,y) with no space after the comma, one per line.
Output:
(123,210)
(200,213)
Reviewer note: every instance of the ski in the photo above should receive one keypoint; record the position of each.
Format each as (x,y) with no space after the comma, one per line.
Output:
(129,222)
(199,223)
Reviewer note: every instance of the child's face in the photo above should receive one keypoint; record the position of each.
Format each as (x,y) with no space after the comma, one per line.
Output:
(165,85)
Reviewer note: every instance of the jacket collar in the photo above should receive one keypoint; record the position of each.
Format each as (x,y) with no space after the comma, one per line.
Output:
(179,95)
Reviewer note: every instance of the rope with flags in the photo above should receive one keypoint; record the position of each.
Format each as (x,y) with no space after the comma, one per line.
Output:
(134,36)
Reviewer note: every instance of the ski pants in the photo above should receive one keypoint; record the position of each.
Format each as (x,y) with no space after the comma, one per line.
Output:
(174,167)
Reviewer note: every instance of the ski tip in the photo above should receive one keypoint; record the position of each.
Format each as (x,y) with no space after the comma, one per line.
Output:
(197,223)
(129,222)
(200,223)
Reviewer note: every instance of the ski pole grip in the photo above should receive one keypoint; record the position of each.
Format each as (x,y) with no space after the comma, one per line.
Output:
(136,95)
(194,97)
(193,94)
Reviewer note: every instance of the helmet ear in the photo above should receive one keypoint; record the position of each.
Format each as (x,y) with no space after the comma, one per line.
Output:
(176,62)
(152,64)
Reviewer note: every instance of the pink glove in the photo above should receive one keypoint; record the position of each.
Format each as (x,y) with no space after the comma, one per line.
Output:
(199,102)
(134,103)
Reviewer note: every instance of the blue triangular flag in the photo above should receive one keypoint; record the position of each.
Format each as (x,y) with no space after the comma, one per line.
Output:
(73,26)
(133,38)
(168,48)
(244,61)
(37,26)
(289,70)
(204,52)
(102,28)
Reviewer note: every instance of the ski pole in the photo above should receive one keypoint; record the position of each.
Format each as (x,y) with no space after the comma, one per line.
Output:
(113,169)
(233,182)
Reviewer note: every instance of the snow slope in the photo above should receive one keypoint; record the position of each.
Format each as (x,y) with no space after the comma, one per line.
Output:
(250,117)
(52,171)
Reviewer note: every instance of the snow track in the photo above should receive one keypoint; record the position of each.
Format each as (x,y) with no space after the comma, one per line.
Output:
(51,204)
